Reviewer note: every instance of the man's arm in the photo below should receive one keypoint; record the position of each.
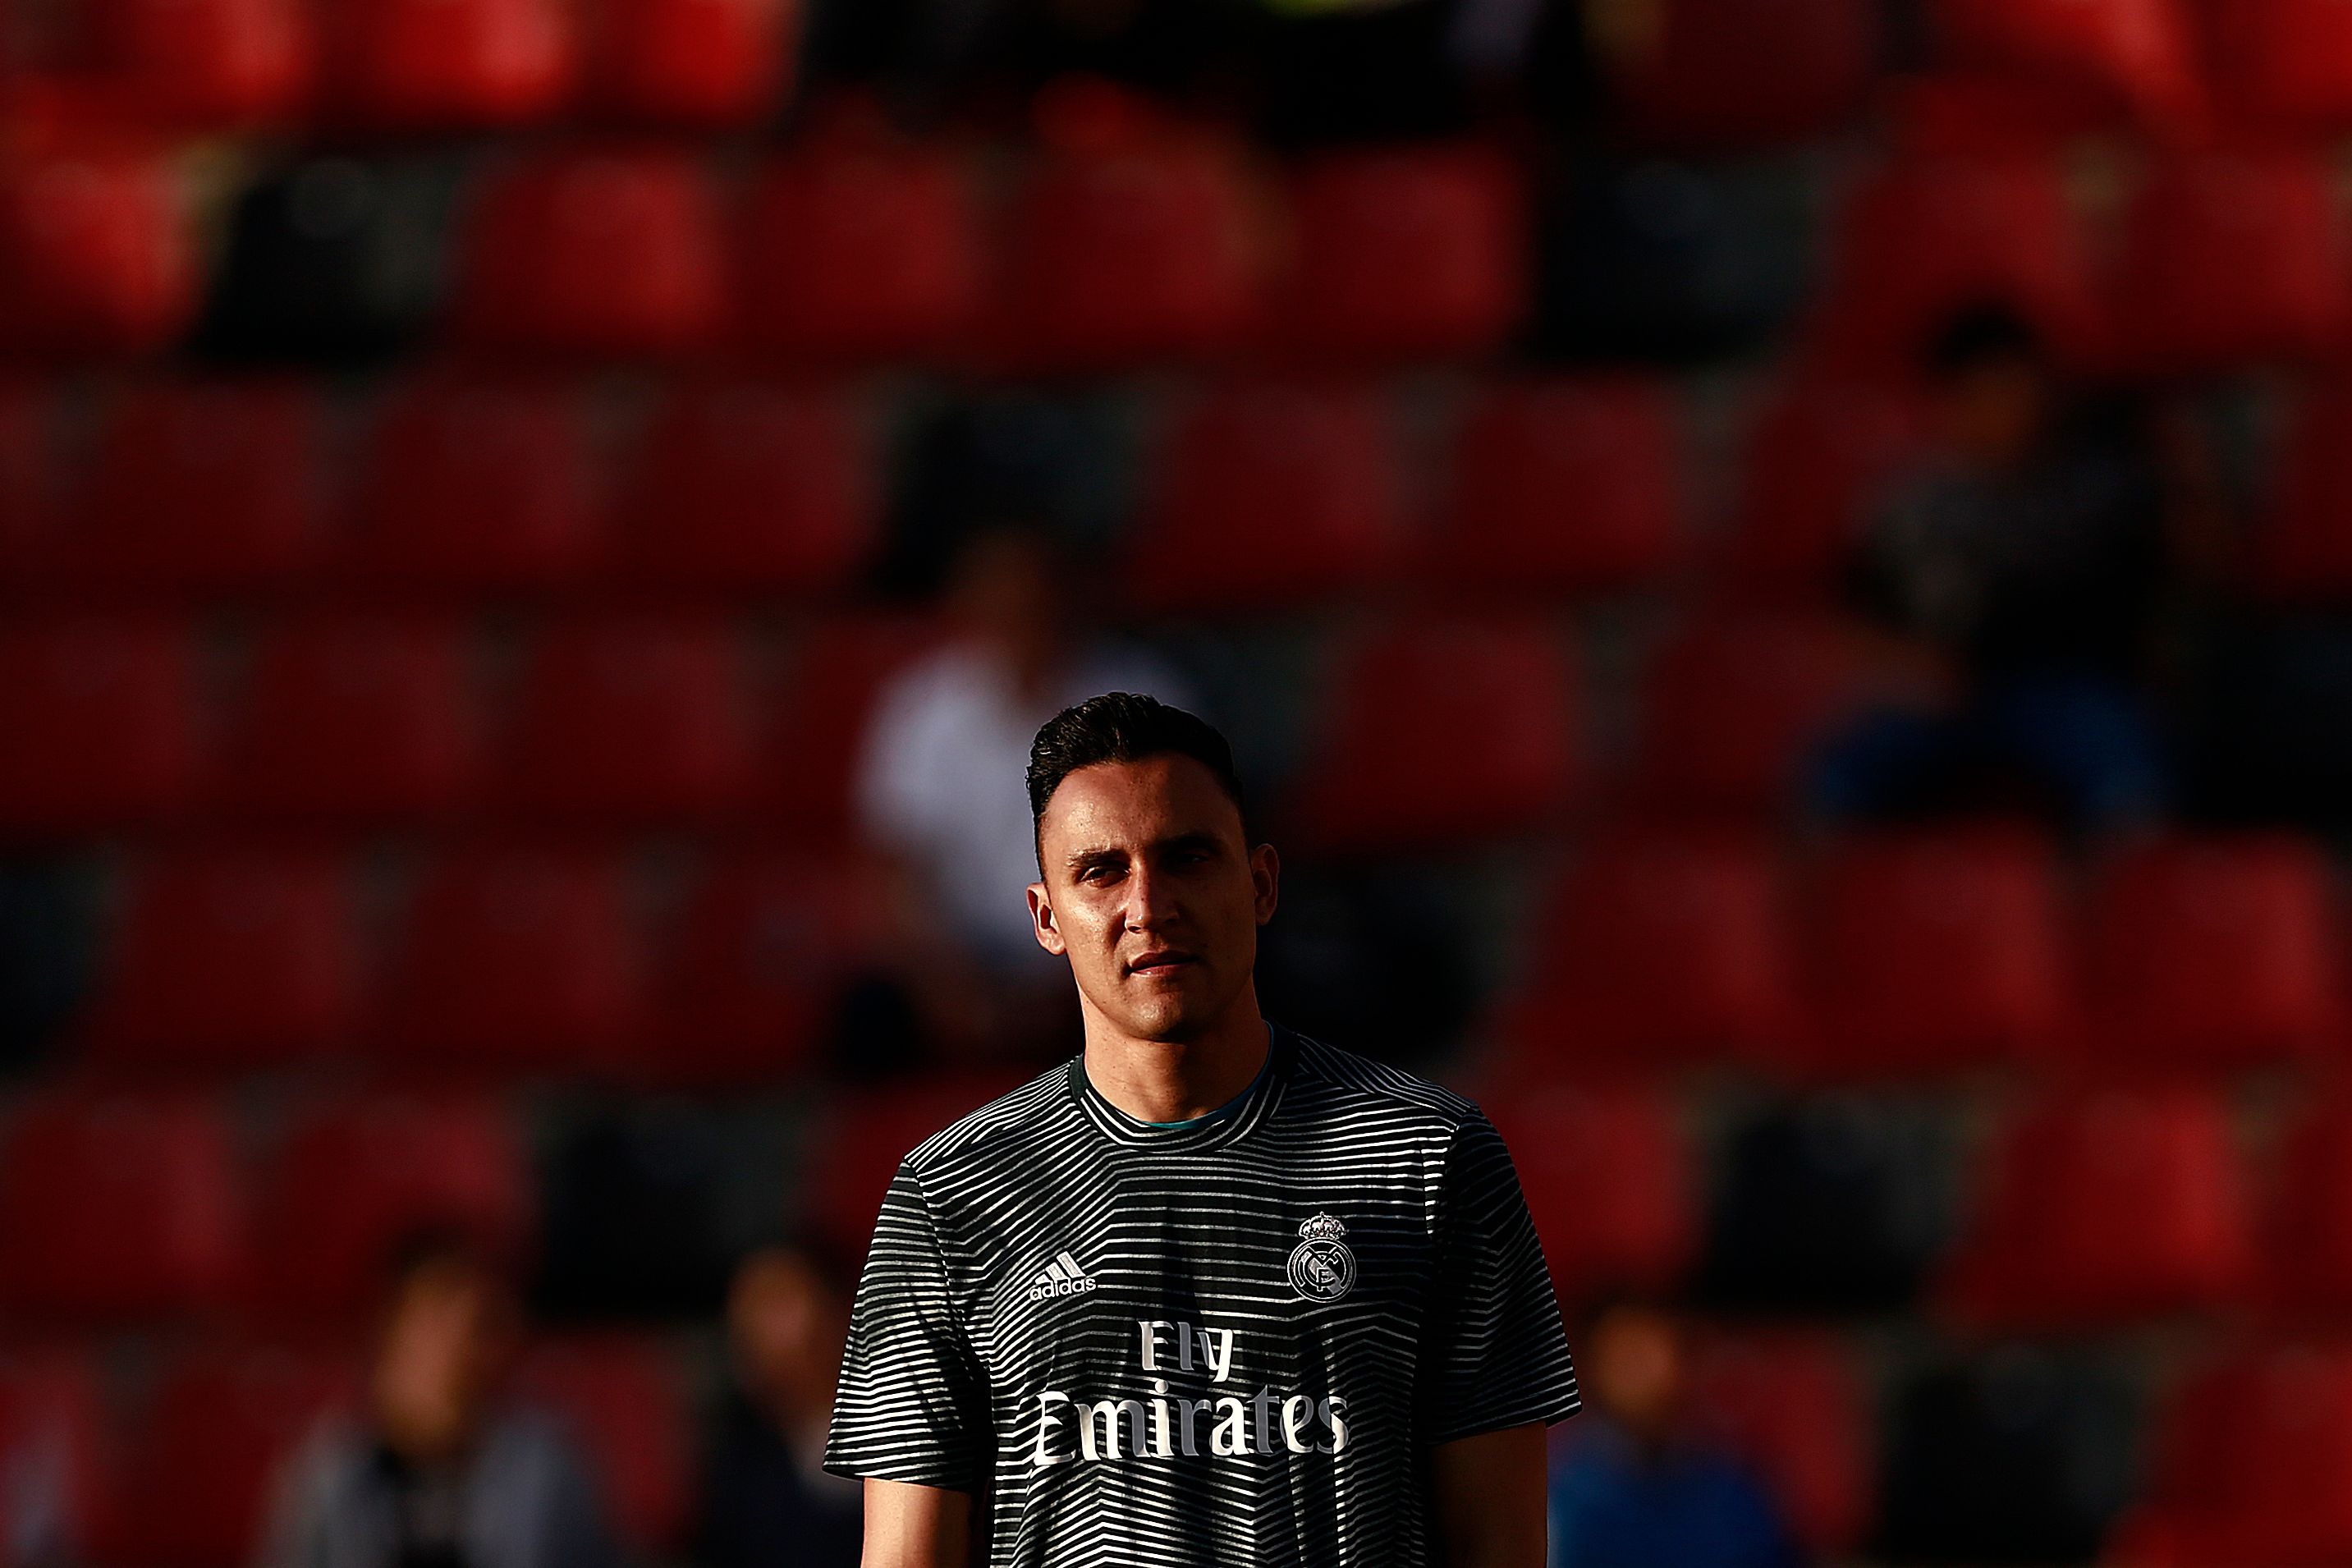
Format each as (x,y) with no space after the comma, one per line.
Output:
(1489,1494)
(911,1526)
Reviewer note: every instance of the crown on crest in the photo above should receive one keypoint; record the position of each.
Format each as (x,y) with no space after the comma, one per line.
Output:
(1321,1227)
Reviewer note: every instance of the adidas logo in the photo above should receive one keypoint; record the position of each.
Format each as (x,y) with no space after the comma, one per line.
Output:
(1063,1277)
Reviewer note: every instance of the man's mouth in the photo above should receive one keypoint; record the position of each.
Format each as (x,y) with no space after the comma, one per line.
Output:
(1160,960)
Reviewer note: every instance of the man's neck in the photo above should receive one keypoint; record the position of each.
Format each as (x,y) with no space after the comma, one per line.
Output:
(1176,1080)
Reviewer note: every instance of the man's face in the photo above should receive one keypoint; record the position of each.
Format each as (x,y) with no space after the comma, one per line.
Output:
(1152,893)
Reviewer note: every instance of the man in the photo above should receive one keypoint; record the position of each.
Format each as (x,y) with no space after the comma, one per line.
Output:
(766,1500)
(1209,1291)
(938,789)
(444,1471)
(2013,581)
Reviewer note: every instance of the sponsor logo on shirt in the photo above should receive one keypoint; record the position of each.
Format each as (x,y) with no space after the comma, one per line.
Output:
(1322,1268)
(1063,1277)
(1166,1424)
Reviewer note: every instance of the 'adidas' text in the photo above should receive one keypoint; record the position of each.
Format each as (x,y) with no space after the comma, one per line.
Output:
(1063,1277)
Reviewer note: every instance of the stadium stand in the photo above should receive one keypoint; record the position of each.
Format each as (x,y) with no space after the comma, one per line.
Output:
(468,466)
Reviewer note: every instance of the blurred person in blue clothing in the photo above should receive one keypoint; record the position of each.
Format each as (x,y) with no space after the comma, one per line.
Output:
(1630,1486)
(2013,582)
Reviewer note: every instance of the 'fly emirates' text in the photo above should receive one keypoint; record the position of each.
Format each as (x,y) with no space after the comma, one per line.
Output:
(1225,1425)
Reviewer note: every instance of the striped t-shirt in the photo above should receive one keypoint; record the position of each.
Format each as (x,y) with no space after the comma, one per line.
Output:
(1228,1340)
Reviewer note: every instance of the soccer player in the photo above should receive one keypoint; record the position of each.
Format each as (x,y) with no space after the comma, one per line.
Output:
(1210,1292)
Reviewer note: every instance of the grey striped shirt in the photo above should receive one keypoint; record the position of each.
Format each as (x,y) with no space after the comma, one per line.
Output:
(1226,1342)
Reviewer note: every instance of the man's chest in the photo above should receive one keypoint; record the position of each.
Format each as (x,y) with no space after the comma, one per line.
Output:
(1285,1286)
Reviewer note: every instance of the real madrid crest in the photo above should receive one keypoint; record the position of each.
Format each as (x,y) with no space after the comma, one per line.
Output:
(1321,1267)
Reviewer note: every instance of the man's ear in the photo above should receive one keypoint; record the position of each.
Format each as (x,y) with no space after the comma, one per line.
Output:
(1041,920)
(1266,876)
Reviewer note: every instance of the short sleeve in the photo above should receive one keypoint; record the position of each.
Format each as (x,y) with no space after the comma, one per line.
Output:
(1499,1354)
(912,1402)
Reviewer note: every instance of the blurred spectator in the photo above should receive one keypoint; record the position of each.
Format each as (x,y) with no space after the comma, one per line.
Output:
(766,1500)
(941,789)
(1630,1488)
(442,1470)
(2013,578)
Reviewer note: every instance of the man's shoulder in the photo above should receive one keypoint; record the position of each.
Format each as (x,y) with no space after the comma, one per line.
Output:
(991,1131)
(1348,1083)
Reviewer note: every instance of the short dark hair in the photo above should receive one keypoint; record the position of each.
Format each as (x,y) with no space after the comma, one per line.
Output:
(1122,727)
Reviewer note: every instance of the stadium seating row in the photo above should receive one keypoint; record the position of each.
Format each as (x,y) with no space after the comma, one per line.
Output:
(2092,1205)
(371,721)
(2098,1203)
(467,487)
(1898,955)
(2248,1440)
(215,1419)
(510,961)
(1145,244)
(1162,246)
(183,1479)
(403,67)
(464,486)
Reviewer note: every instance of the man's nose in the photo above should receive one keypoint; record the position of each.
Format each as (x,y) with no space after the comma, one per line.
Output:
(1151,898)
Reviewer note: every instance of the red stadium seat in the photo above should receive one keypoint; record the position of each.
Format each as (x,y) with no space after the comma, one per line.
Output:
(26,503)
(102,724)
(220,1423)
(1440,731)
(353,1178)
(1792,1405)
(118,1208)
(448,65)
(1608,1175)
(626,1400)
(1130,255)
(1563,488)
(475,485)
(203,62)
(1926,235)
(54,1454)
(743,488)
(2251,1448)
(763,947)
(2137,53)
(1732,703)
(2101,1205)
(513,959)
(808,761)
(230,960)
(1408,253)
(851,1162)
(2284,63)
(599,252)
(2215,953)
(1735,72)
(204,487)
(855,252)
(1658,947)
(1812,466)
(631,720)
(2232,256)
(1936,949)
(2303,550)
(696,64)
(2307,1239)
(1261,496)
(356,719)
(94,254)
